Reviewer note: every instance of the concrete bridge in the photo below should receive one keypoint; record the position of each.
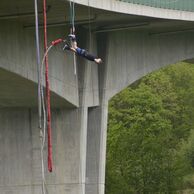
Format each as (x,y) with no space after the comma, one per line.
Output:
(132,37)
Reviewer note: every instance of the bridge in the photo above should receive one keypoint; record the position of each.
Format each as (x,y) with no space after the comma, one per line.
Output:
(133,37)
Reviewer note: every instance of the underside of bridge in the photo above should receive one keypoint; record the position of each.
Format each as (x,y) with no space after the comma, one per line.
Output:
(98,20)
(130,46)
(17,91)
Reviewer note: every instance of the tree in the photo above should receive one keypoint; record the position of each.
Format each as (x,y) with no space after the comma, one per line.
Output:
(149,122)
(140,140)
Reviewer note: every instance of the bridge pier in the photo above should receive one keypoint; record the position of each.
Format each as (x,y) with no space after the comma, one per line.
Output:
(20,162)
(96,150)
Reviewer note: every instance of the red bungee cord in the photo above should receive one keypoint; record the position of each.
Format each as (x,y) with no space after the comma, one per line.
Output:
(58,41)
(50,162)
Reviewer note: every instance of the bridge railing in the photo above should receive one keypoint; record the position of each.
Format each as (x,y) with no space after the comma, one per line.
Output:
(183,5)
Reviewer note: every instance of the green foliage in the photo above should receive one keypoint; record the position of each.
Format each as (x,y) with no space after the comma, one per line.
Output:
(149,150)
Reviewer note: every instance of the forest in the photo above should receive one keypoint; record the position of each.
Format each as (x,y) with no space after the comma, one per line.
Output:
(150,146)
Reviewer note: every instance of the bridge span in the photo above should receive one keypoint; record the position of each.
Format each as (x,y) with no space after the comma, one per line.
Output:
(132,37)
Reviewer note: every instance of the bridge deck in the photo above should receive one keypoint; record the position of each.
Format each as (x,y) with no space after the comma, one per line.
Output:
(183,5)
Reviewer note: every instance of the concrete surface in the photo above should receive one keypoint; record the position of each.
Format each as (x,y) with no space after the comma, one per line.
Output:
(131,46)
(138,9)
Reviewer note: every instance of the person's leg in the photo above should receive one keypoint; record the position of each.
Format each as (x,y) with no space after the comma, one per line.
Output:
(89,56)
(92,57)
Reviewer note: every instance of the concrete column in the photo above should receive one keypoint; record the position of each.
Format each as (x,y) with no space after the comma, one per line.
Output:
(97,129)
(16,153)
(96,150)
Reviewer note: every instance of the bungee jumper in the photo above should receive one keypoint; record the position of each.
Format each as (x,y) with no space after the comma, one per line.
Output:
(79,51)
(72,46)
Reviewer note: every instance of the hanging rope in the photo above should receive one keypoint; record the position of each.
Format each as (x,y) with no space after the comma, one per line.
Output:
(39,94)
(89,22)
(72,16)
(43,132)
(72,29)
(38,61)
(48,108)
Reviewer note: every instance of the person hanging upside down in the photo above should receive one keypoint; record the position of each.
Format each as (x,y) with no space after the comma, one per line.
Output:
(79,51)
